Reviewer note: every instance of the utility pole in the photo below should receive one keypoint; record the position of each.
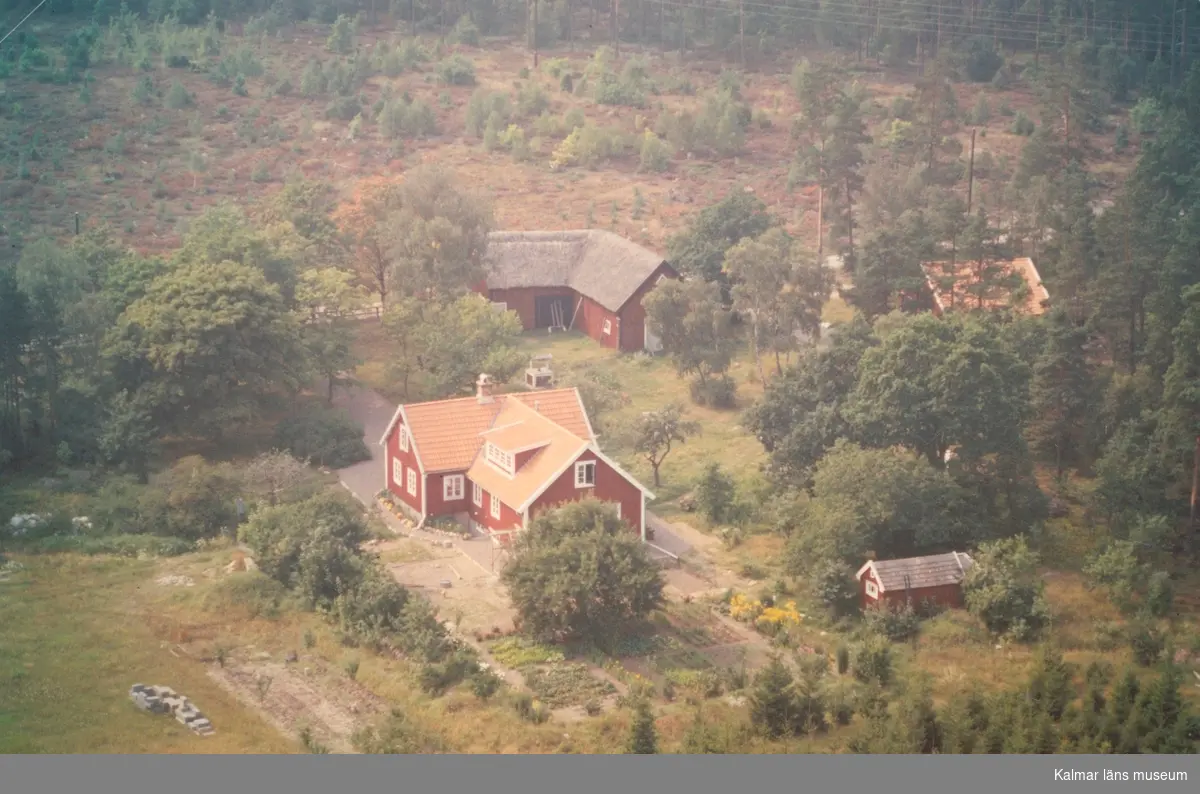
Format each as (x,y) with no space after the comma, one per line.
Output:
(77,224)
(971,174)
(616,26)
(820,224)
(1196,484)
(535,34)
(742,31)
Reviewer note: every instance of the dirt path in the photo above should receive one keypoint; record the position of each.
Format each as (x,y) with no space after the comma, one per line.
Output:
(292,700)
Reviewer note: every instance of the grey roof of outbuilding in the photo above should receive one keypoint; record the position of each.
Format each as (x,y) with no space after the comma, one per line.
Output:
(601,265)
(916,572)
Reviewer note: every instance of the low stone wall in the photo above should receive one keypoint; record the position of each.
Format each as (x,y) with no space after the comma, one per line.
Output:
(164,700)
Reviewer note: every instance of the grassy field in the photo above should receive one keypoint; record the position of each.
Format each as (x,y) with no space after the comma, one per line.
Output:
(75,637)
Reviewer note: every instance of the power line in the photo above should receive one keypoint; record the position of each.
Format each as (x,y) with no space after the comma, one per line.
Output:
(22,22)
(851,17)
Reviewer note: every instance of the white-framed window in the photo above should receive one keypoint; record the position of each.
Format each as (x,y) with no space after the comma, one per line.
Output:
(402,440)
(452,487)
(398,472)
(607,326)
(500,307)
(476,494)
(585,474)
(412,482)
(494,505)
(872,590)
(499,458)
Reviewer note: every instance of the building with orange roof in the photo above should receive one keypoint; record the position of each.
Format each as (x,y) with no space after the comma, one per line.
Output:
(495,461)
(967,285)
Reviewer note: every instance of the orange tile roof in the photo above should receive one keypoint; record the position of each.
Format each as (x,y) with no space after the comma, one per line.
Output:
(446,433)
(514,436)
(559,450)
(963,275)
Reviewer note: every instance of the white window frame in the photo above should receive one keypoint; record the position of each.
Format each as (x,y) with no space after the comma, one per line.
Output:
(493,506)
(499,458)
(581,479)
(402,441)
(412,481)
(872,589)
(476,494)
(607,326)
(453,487)
(398,472)
(500,307)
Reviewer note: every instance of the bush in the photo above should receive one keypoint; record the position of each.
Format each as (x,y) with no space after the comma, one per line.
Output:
(1121,141)
(193,499)
(1117,570)
(982,61)
(832,583)
(982,113)
(1146,115)
(400,119)
(482,106)
(312,547)
(715,392)
(1160,594)
(895,623)
(371,610)
(323,438)
(177,96)
(457,70)
(341,36)
(343,108)
(655,154)
(559,597)
(531,100)
(715,493)
(484,684)
(1022,125)
(873,661)
(1146,642)
(252,591)
(1004,590)
(843,660)
(465,32)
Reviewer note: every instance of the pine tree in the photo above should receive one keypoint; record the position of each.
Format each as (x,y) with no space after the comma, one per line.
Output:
(1059,394)
(771,703)
(1051,688)
(643,737)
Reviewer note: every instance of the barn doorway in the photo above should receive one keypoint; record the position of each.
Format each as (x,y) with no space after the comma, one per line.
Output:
(552,311)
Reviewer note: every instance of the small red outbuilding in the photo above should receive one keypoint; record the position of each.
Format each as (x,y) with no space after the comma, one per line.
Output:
(935,580)
(590,280)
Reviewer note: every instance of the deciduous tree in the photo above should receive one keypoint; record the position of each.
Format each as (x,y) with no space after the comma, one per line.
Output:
(657,431)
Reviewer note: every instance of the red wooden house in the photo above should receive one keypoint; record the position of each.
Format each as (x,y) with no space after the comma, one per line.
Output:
(590,280)
(495,461)
(936,580)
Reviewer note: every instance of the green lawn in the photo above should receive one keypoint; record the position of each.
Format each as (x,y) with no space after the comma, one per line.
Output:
(651,383)
(72,642)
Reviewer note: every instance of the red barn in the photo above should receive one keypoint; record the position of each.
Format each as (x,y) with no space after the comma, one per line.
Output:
(936,580)
(495,461)
(591,280)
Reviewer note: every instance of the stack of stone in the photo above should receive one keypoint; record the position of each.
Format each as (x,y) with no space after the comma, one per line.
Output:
(164,700)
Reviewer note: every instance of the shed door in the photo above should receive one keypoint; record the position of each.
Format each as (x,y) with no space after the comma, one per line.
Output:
(552,311)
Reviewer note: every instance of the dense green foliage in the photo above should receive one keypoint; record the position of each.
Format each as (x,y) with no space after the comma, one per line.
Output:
(579,572)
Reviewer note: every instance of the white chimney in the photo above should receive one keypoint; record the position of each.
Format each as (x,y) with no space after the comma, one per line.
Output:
(483,389)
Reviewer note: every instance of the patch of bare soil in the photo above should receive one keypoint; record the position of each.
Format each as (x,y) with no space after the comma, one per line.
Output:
(294,698)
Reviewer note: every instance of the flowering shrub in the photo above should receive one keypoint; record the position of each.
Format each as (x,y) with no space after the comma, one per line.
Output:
(774,619)
(745,609)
